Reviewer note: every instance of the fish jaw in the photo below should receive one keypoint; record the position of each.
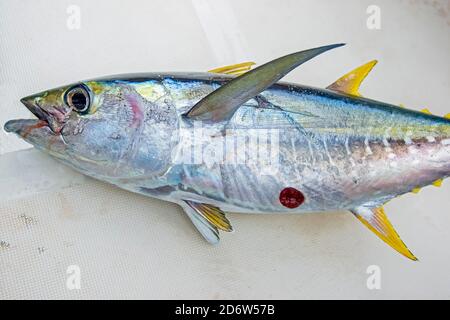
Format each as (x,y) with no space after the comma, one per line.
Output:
(43,132)
(47,106)
(38,133)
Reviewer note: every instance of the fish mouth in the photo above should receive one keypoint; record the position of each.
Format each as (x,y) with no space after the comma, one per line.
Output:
(40,132)
(35,109)
(23,127)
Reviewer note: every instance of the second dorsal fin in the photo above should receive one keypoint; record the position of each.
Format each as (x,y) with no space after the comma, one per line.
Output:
(350,82)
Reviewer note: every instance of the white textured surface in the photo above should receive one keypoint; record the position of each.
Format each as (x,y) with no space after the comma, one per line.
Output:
(129,246)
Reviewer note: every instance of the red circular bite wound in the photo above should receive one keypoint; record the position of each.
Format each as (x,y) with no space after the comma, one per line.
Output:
(291,198)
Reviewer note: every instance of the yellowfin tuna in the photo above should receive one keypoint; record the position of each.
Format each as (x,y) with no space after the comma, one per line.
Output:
(236,139)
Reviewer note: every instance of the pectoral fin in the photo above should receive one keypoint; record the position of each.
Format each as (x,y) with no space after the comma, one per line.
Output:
(236,69)
(207,219)
(350,82)
(221,104)
(376,220)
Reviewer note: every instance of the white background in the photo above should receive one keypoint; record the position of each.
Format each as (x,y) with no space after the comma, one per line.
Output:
(129,246)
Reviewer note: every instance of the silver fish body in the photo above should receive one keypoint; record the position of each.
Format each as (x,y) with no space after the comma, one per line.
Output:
(340,151)
(367,152)
(326,149)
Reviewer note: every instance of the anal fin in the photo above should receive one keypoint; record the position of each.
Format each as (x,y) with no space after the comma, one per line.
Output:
(208,220)
(376,220)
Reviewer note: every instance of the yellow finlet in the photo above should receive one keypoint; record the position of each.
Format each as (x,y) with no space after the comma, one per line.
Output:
(350,82)
(376,220)
(447,116)
(416,190)
(438,182)
(236,69)
(426,111)
(401,105)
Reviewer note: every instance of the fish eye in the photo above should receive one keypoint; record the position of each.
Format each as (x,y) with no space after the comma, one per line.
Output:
(78,98)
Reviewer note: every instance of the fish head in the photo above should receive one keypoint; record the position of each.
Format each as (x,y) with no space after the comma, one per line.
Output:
(92,126)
